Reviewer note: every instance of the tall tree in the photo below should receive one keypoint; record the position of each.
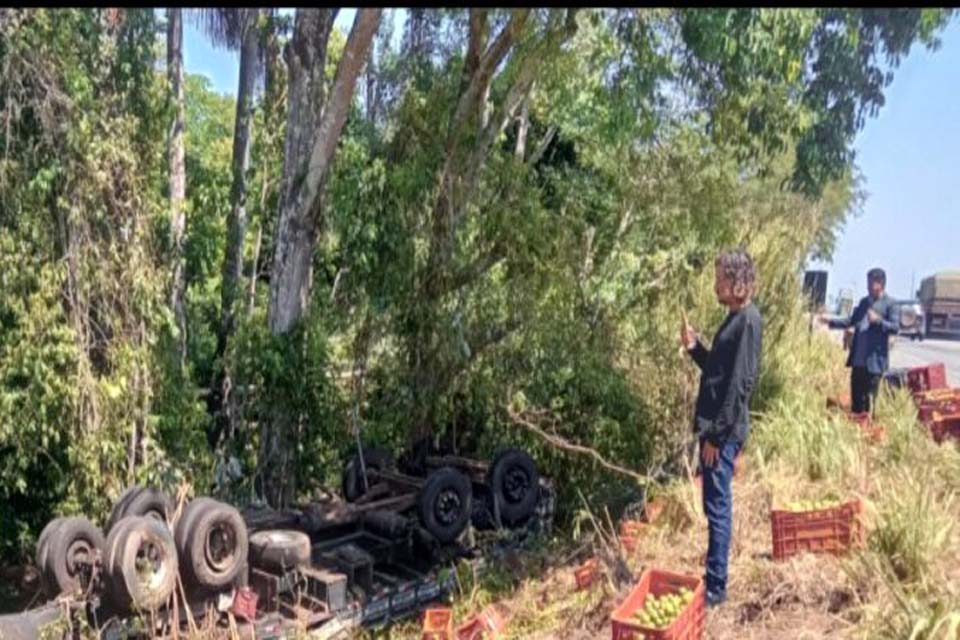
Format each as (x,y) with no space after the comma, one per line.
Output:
(314,123)
(234,28)
(470,138)
(178,176)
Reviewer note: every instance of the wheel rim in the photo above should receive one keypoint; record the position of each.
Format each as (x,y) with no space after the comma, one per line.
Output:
(156,515)
(447,507)
(150,563)
(516,484)
(221,547)
(79,561)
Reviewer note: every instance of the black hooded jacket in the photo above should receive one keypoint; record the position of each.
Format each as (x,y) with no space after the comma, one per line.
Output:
(729,373)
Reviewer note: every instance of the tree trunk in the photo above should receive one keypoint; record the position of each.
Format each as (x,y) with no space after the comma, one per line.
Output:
(178,176)
(254,271)
(308,155)
(523,126)
(237,219)
(271,150)
(314,124)
(219,402)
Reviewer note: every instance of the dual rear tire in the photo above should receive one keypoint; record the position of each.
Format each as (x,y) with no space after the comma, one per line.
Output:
(141,557)
(66,553)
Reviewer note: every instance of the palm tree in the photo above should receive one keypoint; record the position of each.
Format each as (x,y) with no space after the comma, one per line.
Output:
(178,178)
(234,28)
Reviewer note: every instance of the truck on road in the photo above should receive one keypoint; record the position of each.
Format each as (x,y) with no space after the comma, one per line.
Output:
(939,296)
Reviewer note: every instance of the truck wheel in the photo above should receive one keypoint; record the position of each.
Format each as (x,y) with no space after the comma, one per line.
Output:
(43,542)
(71,550)
(444,504)
(279,550)
(373,458)
(189,513)
(149,502)
(142,563)
(212,542)
(116,513)
(515,483)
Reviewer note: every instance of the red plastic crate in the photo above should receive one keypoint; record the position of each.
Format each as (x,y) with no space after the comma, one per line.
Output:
(489,624)
(944,401)
(938,395)
(586,574)
(438,624)
(933,376)
(689,625)
(245,604)
(472,629)
(945,426)
(834,530)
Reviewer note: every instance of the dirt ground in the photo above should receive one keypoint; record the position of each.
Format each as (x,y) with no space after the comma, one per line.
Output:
(808,596)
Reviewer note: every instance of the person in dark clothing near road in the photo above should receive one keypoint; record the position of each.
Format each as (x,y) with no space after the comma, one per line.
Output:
(722,416)
(875,319)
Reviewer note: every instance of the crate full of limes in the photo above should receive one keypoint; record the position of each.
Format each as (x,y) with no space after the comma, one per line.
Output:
(825,525)
(662,606)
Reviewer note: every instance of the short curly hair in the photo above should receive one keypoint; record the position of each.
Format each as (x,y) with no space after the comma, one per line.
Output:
(737,267)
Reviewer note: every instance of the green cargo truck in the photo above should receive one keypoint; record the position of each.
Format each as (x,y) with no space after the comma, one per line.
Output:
(939,295)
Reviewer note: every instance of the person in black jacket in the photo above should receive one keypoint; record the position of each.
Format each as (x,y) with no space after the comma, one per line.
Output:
(875,319)
(722,415)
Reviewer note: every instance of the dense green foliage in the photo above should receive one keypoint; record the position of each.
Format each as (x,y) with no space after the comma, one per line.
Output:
(652,139)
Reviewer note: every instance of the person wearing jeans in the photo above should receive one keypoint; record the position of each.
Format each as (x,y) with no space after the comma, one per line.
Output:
(729,371)
(871,324)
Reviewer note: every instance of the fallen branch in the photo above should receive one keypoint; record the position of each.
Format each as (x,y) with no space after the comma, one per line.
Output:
(565,445)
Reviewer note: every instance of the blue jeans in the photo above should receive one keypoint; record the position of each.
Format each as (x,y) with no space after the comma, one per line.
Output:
(718,507)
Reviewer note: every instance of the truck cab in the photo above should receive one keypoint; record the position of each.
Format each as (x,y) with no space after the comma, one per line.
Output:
(939,297)
(912,322)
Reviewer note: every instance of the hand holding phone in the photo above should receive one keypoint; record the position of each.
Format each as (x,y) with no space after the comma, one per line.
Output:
(688,337)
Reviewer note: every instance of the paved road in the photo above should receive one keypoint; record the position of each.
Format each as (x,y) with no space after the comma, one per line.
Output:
(904,353)
(913,354)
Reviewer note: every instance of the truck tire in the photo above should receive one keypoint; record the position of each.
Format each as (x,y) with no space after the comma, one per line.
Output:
(71,550)
(373,458)
(142,564)
(148,502)
(515,485)
(444,504)
(279,550)
(212,543)
(43,542)
(116,512)
(190,511)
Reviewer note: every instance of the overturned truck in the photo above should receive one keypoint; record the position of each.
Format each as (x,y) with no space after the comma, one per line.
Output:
(380,552)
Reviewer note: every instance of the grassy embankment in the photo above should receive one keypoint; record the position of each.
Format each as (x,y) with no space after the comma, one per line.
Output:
(905,583)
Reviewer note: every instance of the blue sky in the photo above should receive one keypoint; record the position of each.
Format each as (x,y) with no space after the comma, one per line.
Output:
(910,224)
(222,66)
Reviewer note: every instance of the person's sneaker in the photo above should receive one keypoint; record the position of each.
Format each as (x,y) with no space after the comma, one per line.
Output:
(715,599)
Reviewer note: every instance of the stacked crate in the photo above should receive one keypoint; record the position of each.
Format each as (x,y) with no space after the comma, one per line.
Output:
(938,406)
